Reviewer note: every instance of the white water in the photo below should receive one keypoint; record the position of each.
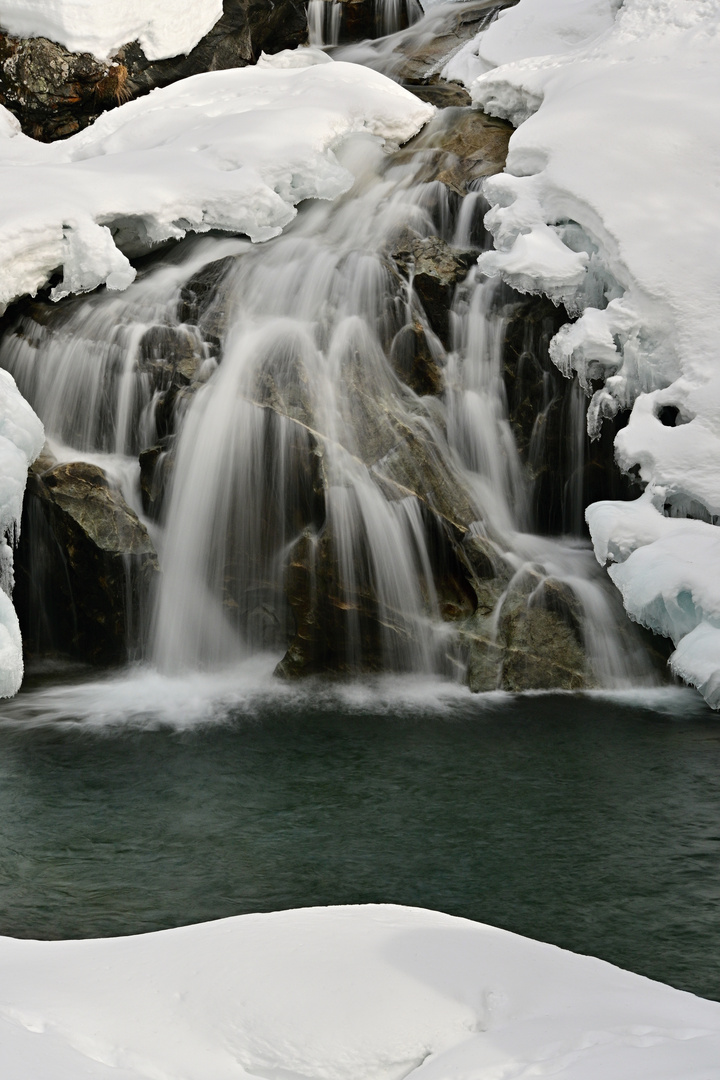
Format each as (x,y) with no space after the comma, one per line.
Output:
(294,447)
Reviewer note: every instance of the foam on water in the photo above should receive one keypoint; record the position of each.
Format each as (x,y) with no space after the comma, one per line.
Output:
(142,698)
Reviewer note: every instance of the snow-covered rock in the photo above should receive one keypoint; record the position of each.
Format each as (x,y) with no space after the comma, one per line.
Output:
(355,993)
(234,150)
(163,27)
(610,203)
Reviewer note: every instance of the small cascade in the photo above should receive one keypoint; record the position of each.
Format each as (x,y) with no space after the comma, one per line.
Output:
(332,22)
(335,444)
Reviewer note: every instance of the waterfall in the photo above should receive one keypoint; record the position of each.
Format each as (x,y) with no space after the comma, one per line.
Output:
(328,466)
(328,19)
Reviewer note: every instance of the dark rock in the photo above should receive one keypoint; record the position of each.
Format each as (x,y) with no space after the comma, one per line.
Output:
(441,94)
(339,627)
(55,93)
(171,354)
(435,269)
(525,635)
(418,365)
(85,565)
(156,470)
(459,147)
(547,414)
(202,298)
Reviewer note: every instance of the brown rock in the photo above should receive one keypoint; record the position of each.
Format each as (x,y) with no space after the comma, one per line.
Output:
(85,566)
(55,93)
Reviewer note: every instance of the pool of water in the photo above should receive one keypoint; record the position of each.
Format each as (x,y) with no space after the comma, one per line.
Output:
(589,821)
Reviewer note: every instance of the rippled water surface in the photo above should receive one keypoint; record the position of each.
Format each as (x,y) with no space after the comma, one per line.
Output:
(591,822)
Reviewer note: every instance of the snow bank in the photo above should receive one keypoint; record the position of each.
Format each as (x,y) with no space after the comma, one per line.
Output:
(356,993)
(533,28)
(21,440)
(610,204)
(163,27)
(234,150)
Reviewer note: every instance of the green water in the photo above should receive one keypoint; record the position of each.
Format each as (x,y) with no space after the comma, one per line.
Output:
(589,822)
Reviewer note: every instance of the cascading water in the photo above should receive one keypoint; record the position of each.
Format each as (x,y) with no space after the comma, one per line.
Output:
(328,19)
(329,472)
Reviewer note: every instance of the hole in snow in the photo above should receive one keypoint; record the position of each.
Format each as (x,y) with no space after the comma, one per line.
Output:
(671,416)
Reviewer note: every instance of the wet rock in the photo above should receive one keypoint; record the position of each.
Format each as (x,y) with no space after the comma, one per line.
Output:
(415,361)
(339,626)
(171,355)
(157,464)
(525,634)
(85,565)
(55,93)
(538,630)
(547,414)
(423,56)
(459,148)
(435,269)
(472,146)
(203,300)
(441,94)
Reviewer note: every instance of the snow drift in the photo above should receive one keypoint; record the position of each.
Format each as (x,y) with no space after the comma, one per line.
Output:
(356,993)
(610,205)
(21,440)
(163,27)
(234,150)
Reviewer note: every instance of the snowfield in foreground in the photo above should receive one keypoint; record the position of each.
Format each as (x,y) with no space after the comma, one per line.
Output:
(163,27)
(354,993)
(610,203)
(234,150)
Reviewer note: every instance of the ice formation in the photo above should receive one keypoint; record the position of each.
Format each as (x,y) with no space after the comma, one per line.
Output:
(610,204)
(344,994)
(234,150)
(163,27)
(21,439)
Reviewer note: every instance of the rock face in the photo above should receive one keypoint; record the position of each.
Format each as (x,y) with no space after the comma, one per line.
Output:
(85,566)
(547,414)
(55,93)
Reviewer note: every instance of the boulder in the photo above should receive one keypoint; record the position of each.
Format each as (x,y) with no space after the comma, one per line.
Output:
(85,565)
(459,148)
(526,631)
